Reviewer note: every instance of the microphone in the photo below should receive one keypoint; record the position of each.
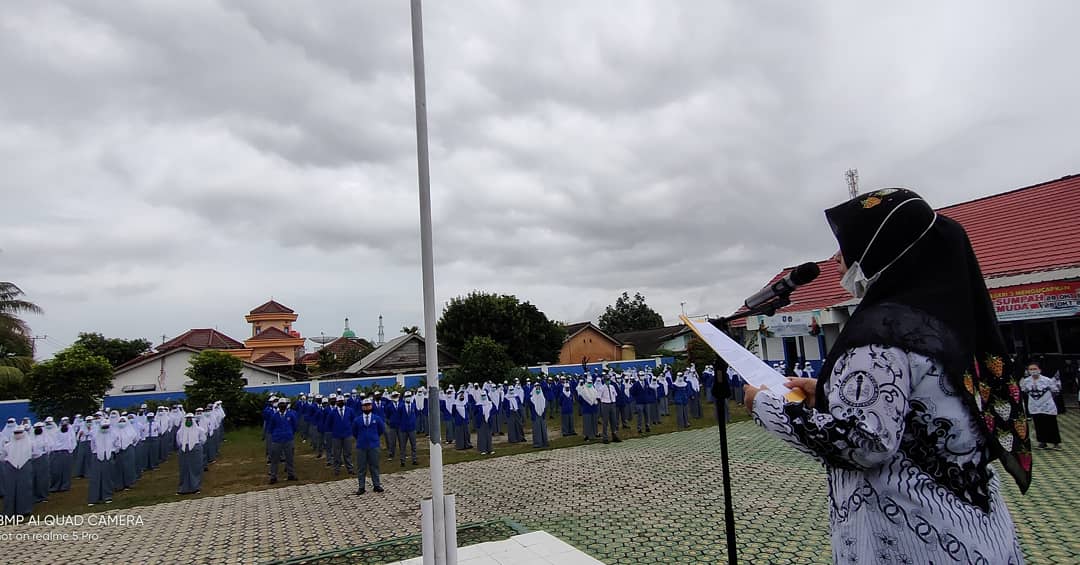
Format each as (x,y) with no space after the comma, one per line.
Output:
(797,277)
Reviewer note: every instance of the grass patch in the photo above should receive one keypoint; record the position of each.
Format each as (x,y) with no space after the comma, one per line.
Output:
(241,466)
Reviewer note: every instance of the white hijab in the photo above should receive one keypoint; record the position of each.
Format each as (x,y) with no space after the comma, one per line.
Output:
(538,400)
(9,429)
(188,437)
(460,406)
(588,393)
(105,443)
(485,407)
(17,449)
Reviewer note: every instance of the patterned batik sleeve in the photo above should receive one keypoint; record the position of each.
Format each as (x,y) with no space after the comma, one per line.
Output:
(868,393)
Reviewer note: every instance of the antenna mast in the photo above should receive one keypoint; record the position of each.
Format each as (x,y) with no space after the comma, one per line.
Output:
(852,176)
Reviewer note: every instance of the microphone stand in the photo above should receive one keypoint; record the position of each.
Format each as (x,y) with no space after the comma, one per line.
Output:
(721,392)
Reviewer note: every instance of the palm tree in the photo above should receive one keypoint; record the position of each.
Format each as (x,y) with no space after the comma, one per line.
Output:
(16,347)
(410,330)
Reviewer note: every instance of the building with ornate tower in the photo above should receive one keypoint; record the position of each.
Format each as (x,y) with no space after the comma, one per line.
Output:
(273,341)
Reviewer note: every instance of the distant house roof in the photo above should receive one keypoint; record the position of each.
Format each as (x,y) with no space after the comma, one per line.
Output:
(371,359)
(272,358)
(271,333)
(271,307)
(578,327)
(312,357)
(202,338)
(646,342)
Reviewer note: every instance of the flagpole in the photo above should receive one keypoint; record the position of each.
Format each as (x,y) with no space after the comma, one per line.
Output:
(430,339)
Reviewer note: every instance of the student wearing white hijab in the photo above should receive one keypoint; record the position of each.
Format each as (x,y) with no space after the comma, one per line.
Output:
(515,422)
(485,416)
(104,445)
(539,423)
(460,409)
(39,459)
(9,429)
(189,442)
(125,457)
(589,402)
(17,474)
(681,396)
(61,458)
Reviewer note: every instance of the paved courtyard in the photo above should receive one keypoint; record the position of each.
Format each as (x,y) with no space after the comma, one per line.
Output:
(651,500)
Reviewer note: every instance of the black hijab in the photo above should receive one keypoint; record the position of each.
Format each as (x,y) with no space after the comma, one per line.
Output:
(930,298)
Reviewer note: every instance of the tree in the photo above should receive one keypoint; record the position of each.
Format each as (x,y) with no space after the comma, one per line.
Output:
(72,382)
(483,359)
(629,315)
(12,384)
(699,353)
(527,334)
(215,375)
(117,351)
(410,330)
(16,347)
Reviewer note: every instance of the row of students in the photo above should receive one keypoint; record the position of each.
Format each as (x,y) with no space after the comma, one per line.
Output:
(111,451)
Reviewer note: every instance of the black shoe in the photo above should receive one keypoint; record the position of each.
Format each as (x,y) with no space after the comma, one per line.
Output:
(377,489)
(360,492)
(273,481)
(606,441)
(415,462)
(402,463)
(615,438)
(648,430)
(292,478)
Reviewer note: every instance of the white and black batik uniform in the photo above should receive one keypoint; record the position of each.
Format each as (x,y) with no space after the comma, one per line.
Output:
(894,419)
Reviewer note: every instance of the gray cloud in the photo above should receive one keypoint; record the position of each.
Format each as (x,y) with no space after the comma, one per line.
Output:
(170,165)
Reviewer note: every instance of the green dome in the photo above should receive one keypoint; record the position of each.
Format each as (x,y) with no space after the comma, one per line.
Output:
(348,333)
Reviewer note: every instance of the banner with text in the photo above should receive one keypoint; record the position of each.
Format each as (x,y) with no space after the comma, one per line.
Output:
(789,324)
(1039,300)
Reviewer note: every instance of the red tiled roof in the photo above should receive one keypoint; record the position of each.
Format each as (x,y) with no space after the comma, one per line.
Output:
(1024,230)
(1021,231)
(309,357)
(203,338)
(271,333)
(272,358)
(271,307)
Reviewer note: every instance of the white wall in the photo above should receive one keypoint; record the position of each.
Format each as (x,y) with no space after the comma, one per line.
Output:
(176,363)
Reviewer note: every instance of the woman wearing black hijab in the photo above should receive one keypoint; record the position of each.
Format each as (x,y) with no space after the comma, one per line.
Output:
(914,399)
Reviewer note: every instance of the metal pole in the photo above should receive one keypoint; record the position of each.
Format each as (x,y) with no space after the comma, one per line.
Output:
(430,339)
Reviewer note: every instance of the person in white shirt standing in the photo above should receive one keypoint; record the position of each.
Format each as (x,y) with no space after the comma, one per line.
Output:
(1041,406)
(609,414)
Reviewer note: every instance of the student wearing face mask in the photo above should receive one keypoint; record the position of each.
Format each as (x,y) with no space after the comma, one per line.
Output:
(566,409)
(283,425)
(915,398)
(485,418)
(408,417)
(368,428)
(104,444)
(39,459)
(17,474)
(341,419)
(61,458)
(189,456)
(1040,393)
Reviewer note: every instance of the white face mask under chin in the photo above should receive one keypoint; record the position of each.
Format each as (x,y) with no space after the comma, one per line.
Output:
(855,280)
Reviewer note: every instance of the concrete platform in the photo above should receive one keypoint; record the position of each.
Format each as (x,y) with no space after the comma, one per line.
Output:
(534,548)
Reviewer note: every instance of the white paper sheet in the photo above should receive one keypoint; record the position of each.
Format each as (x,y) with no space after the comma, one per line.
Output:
(753,370)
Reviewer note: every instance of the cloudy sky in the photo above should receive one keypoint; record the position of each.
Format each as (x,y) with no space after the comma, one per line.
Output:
(170,165)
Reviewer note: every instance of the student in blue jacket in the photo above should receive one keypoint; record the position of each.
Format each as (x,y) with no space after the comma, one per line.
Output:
(407,419)
(368,429)
(641,404)
(282,425)
(323,429)
(461,423)
(566,409)
(681,393)
(341,419)
(267,411)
